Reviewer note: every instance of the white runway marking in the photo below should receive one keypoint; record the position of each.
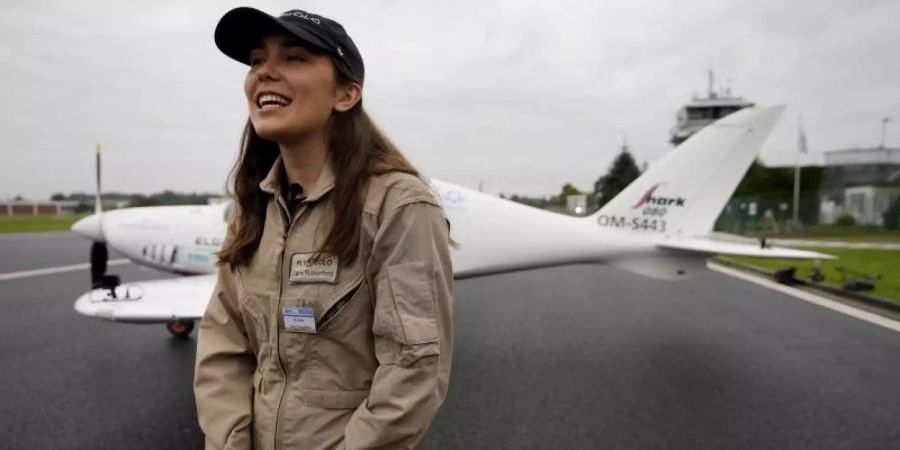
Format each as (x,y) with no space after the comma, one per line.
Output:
(812,298)
(52,270)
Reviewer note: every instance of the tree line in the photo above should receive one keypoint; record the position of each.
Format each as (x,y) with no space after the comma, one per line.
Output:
(621,172)
(164,198)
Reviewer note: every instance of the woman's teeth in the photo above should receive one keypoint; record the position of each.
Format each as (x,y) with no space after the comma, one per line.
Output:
(269,101)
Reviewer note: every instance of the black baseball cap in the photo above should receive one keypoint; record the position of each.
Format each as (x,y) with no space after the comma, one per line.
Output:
(241,29)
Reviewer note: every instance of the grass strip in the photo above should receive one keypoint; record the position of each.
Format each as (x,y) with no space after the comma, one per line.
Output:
(34,224)
(883,266)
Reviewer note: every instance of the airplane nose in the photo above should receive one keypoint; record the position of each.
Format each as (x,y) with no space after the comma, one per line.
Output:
(90,227)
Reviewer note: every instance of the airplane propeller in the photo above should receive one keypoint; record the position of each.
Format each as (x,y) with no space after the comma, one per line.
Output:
(99,257)
(92,227)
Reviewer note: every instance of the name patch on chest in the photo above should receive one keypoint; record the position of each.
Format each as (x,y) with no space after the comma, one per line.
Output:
(299,319)
(310,268)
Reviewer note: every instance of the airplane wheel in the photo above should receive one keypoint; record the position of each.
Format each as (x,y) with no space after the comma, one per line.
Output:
(180,329)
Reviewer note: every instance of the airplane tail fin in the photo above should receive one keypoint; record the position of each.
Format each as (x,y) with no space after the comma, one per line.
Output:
(684,192)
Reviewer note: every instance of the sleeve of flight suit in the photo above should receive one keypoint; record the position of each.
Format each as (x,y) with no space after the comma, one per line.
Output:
(223,375)
(412,325)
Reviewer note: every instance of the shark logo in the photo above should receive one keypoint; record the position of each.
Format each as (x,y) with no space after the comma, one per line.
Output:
(650,199)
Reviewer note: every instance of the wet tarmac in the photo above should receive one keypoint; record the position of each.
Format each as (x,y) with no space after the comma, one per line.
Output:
(570,357)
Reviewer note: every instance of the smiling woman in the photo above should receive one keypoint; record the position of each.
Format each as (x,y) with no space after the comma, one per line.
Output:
(330,324)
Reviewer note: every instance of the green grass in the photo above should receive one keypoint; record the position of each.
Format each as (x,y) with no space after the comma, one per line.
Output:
(856,233)
(859,263)
(32,224)
(854,238)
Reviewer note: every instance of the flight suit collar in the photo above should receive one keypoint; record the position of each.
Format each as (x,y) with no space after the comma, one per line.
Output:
(272,182)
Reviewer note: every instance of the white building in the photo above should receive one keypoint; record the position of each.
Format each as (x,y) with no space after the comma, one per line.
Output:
(576,204)
(867,204)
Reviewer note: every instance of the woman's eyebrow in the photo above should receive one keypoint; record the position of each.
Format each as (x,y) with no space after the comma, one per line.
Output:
(258,45)
(294,43)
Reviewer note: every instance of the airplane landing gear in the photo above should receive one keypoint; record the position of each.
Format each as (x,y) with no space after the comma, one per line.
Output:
(180,329)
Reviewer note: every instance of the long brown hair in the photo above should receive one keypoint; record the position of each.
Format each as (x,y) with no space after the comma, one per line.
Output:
(357,149)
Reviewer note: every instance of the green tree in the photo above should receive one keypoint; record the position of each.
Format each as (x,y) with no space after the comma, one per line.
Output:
(142,200)
(58,196)
(620,174)
(567,190)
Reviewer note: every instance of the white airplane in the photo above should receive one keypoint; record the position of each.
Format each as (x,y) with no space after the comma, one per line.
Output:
(659,227)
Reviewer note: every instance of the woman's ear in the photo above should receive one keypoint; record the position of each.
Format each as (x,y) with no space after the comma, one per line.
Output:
(348,96)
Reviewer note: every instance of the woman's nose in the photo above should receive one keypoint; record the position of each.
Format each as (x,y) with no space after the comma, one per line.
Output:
(266,71)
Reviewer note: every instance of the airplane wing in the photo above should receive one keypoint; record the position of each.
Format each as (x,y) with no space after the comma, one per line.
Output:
(711,247)
(170,300)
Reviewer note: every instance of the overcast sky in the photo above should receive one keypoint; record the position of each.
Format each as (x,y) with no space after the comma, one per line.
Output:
(521,95)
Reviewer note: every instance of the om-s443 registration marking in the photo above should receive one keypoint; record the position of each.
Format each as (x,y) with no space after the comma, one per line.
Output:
(632,223)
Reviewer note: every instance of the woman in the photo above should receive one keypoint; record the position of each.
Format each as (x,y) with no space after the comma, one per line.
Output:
(330,325)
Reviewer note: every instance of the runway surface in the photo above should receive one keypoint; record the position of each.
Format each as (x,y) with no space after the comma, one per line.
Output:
(573,357)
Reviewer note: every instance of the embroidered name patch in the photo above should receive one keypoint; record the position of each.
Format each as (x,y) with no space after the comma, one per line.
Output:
(307,268)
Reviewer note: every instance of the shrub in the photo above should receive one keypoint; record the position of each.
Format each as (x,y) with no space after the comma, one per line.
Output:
(845,220)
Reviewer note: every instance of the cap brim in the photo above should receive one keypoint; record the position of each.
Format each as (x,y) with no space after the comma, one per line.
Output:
(240,30)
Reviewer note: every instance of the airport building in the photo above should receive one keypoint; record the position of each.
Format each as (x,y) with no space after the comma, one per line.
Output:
(702,111)
(52,207)
(860,182)
(36,208)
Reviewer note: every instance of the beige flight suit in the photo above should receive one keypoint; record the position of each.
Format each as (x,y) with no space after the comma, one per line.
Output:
(376,370)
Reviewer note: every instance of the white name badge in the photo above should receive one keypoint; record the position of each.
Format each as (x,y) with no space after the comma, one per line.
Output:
(305,268)
(299,319)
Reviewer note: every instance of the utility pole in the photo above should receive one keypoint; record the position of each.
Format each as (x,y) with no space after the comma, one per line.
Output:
(884,122)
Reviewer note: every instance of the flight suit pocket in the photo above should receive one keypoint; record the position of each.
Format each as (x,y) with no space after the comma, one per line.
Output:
(405,313)
(344,399)
(411,295)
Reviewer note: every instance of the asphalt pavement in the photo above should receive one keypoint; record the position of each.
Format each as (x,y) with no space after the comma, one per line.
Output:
(571,357)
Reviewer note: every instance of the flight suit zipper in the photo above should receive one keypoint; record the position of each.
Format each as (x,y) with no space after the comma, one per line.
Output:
(289,224)
(335,311)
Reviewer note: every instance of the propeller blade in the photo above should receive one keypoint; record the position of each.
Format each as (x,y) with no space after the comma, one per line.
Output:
(98,201)
(92,227)
(99,257)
